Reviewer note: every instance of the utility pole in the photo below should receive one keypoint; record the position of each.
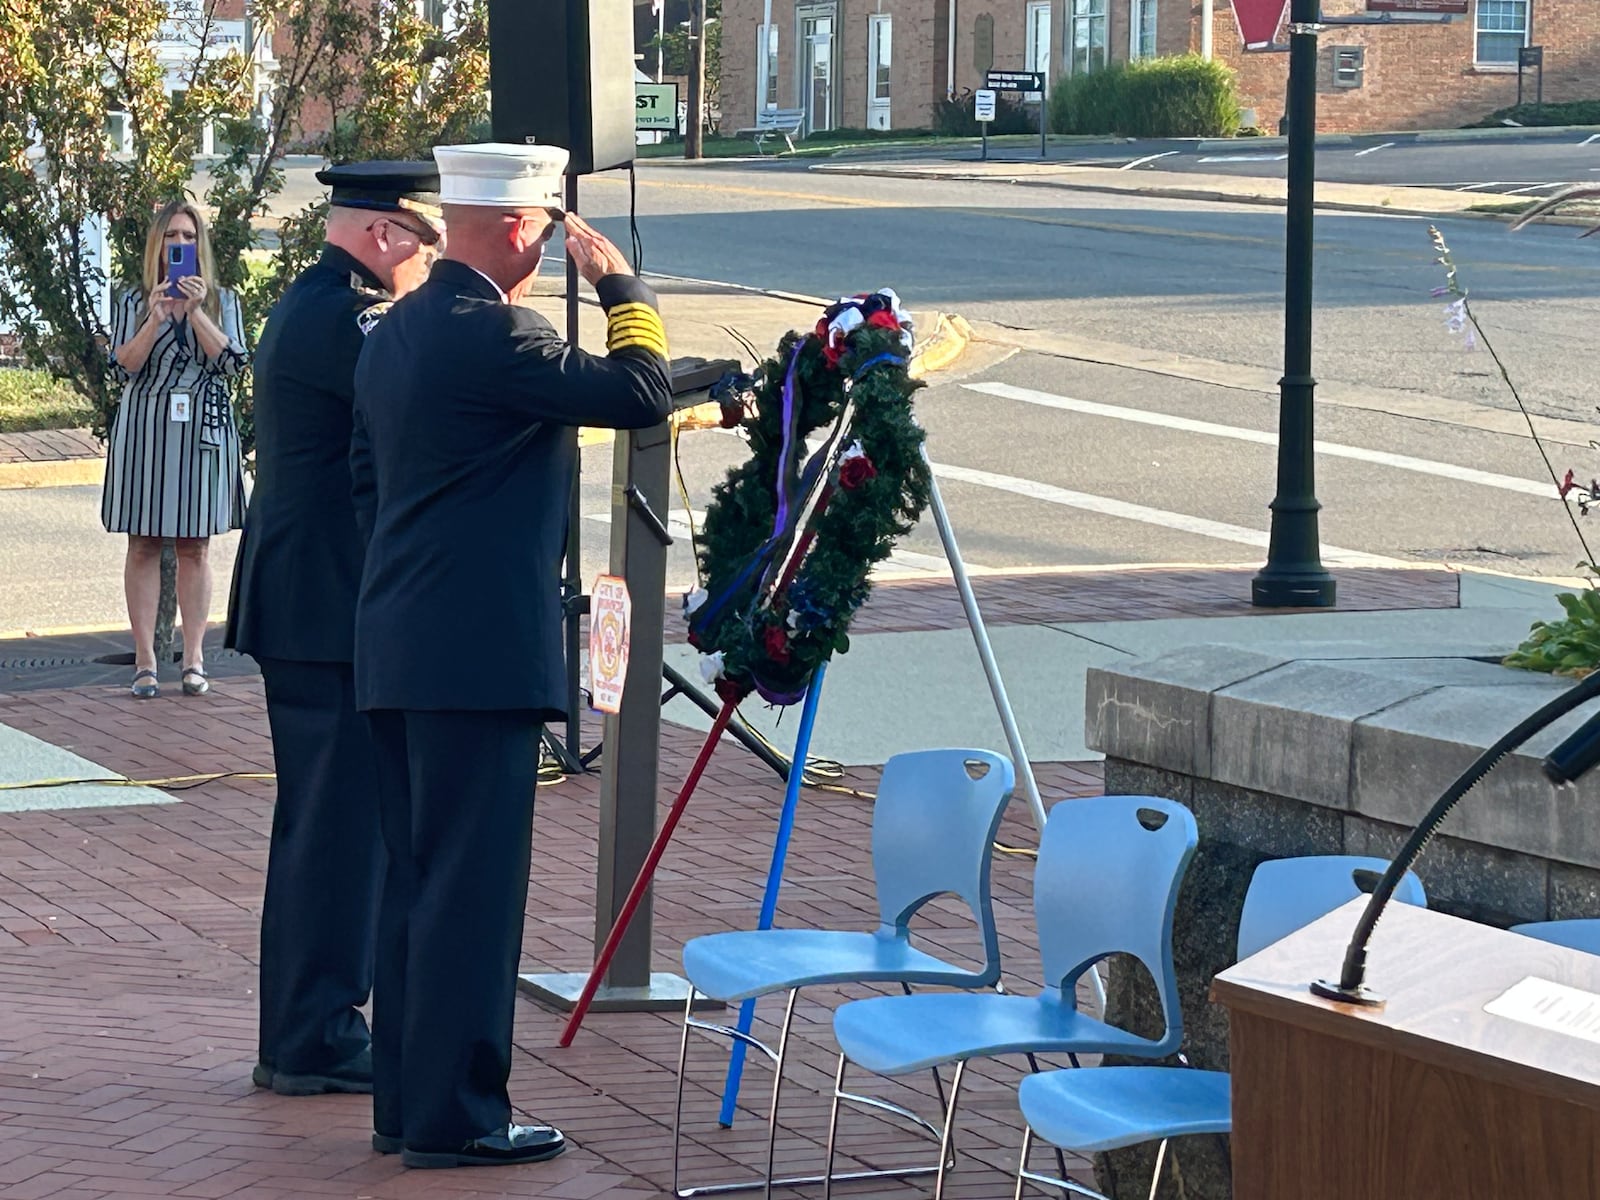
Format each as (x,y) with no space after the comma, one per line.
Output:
(1294,576)
(697,79)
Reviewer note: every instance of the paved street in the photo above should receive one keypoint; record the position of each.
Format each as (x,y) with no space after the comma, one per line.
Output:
(1520,166)
(1151,446)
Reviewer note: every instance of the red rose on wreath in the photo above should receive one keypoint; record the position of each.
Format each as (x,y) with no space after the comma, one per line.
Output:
(776,643)
(853,472)
(732,414)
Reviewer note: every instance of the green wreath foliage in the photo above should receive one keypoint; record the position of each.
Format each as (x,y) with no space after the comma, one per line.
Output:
(774,644)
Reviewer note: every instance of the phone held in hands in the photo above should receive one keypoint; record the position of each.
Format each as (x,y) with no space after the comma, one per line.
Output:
(181,263)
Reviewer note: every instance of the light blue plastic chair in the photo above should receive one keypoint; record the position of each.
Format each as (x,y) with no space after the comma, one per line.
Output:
(1106,883)
(1107,1108)
(1582,934)
(933,830)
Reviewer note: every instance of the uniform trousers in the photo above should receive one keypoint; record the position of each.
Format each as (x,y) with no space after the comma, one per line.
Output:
(324,870)
(456,802)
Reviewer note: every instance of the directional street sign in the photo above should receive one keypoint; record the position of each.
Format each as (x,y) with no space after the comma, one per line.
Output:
(655,106)
(983,105)
(1014,81)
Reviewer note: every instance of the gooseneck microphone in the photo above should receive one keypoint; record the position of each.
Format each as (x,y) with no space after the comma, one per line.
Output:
(1571,760)
(1564,765)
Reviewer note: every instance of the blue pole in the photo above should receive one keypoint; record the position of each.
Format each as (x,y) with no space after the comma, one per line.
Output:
(769,902)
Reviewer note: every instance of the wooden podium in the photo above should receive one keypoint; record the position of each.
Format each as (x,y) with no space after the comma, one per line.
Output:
(1454,1090)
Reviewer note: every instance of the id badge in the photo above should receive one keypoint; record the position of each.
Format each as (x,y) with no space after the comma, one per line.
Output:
(180,406)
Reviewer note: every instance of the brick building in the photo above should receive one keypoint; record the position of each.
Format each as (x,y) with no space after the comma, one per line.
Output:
(885,64)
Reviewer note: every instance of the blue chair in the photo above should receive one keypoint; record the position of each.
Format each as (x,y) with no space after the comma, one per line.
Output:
(1105,883)
(933,830)
(1107,1108)
(1582,934)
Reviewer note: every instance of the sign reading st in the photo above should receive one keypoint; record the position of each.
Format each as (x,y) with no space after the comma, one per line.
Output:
(1014,81)
(655,106)
(610,617)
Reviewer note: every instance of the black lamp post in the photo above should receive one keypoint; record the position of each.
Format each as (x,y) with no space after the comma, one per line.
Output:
(1294,576)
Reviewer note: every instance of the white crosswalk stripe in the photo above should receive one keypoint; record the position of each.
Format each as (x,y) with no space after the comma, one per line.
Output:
(1402,462)
(1180,522)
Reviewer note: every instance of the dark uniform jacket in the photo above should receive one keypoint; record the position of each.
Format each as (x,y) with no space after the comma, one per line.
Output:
(299,562)
(463,461)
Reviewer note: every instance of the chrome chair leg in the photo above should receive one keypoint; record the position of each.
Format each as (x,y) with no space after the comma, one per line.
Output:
(677,1111)
(833,1129)
(777,1089)
(1161,1159)
(1022,1160)
(945,1157)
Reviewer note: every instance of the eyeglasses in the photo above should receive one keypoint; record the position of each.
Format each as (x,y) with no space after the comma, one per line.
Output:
(427,235)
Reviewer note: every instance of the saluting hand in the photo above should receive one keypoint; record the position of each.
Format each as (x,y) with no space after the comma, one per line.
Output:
(594,253)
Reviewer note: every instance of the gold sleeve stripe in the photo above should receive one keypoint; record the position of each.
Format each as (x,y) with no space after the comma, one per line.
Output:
(636,324)
(655,346)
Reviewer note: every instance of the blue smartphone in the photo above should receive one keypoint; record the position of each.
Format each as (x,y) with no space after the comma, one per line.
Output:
(181,263)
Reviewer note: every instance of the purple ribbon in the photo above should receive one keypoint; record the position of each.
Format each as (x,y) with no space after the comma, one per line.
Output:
(790,420)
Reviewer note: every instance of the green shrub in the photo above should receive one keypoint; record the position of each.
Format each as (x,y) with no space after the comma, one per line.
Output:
(33,400)
(956,118)
(1570,646)
(1182,96)
(1577,112)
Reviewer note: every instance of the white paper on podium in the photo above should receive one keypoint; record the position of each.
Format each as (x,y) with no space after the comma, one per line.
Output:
(1552,1006)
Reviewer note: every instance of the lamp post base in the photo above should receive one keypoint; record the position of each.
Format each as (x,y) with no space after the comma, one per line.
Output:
(1293,589)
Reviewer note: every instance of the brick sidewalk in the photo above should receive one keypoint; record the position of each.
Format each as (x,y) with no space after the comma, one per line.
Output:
(49,445)
(128,944)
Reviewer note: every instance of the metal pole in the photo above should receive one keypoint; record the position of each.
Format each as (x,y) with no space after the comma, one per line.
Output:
(980,635)
(1208,18)
(769,899)
(764,59)
(661,39)
(692,145)
(991,672)
(572,584)
(1294,576)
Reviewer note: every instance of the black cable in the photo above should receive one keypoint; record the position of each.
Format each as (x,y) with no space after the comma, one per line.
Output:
(633,221)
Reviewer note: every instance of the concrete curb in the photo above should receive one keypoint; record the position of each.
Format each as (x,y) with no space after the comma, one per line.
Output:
(66,472)
(1206,195)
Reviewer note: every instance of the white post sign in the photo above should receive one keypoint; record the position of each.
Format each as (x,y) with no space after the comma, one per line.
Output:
(655,106)
(610,615)
(983,104)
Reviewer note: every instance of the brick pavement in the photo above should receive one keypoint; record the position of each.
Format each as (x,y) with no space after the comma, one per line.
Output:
(128,942)
(49,445)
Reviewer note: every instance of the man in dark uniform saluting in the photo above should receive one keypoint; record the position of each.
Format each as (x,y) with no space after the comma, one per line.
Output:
(463,459)
(293,609)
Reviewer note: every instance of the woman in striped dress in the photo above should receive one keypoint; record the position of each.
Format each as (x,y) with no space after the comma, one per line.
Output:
(172,463)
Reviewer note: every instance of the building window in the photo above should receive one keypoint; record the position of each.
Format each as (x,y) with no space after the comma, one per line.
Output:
(1038,43)
(1349,64)
(1088,35)
(769,35)
(879,53)
(1502,31)
(1141,28)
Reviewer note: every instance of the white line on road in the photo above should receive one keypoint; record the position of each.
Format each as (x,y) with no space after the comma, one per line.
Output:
(1373,149)
(1246,158)
(1593,137)
(1180,522)
(1148,158)
(1532,187)
(1403,462)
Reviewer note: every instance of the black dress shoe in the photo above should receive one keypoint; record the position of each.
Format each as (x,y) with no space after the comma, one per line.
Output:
(384,1144)
(354,1075)
(516,1144)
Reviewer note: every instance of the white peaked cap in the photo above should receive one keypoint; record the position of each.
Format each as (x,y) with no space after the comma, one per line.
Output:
(500,174)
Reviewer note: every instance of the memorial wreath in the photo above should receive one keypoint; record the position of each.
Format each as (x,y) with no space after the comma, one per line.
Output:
(790,538)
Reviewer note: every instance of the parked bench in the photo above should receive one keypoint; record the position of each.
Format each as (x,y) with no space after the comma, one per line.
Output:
(784,122)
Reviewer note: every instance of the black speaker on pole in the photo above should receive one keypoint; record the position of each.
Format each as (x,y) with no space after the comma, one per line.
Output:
(561,74)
